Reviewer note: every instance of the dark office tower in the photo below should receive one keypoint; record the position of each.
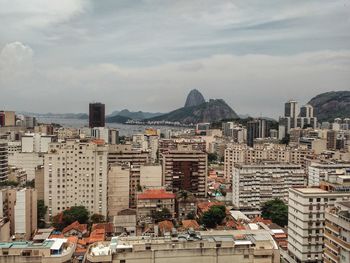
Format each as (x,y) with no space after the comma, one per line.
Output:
(252,132)
(259,128)
(96,115)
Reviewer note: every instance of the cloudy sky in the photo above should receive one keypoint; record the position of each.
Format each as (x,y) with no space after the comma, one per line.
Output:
(59,55)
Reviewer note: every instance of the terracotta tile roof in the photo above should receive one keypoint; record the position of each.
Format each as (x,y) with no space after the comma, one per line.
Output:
(97,235)
(108,227)
(205,206)
(190,224)
(165,226)
(156,194)
(82,228)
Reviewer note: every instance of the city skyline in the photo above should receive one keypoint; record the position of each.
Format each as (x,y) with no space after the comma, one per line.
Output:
(148,56)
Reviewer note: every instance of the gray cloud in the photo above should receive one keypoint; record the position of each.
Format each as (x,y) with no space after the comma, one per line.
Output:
(59,55)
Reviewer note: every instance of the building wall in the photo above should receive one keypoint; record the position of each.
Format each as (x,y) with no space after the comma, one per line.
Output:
(25,213)
(28,161)
(3,160)
(186,170)
(39,182)
(76,174)
(306,220)
(255,184)
(151,176)
(118,190)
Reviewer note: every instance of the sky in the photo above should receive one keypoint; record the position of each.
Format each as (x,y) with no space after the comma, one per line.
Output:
(59,55)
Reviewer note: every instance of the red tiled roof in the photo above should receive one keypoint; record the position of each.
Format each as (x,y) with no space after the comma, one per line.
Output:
(205,206)
(190,224)
(82,228)
(165,226)
(97,235)
(108,227)
(156,194)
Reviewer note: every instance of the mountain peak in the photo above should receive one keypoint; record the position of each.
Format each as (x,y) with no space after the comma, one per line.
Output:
(194,98)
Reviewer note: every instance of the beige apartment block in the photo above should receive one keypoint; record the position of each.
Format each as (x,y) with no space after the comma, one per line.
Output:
(122,154)
(39,182)
(27,161)
(337,233)
(19,207)
(186,170)
(255,184)
(306,221)
(75,173)
(25,213)
(243,154)
(211,246)
(118,190)
(153,200)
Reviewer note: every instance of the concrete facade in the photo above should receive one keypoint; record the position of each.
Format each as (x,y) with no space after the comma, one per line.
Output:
(75,173)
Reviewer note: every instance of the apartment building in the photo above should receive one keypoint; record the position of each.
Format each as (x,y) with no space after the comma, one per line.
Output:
(124,153)
(25,213)
(255,184)
(27,161)
(243,154)
(306,221)
(185,170)
(36,142)
(318,170)
(152,200)
(337,233)
(19,207)
(118,197)
(250,246)
(75,173)
(3,160)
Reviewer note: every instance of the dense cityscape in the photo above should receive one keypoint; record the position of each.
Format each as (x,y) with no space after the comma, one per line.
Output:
(162,131)
(245,190)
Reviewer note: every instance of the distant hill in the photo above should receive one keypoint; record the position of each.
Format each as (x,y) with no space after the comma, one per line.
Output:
(194,98)
(117,119)
(211,111)
(331,105)
(124,115)
(81,116)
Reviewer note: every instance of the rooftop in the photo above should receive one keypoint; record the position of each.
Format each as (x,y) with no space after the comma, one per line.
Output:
(309,190)
(156,194)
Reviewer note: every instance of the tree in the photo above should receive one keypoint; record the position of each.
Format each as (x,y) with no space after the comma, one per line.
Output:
(161,215)
(97,218)
(31,183)
(212,157)
(285,140)
(75,213)
(276,210)
(41,211)
(191,215)
(214,216)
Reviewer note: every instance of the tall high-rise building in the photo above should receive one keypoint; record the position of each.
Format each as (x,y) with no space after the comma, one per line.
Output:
(307,111)
(186,170)
(336,236)
(291,109)
(96,115)
(306,222)
(3,160)
(75,173)
(258,128)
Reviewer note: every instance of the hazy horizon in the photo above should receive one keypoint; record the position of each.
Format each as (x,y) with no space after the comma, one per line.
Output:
(57,56)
